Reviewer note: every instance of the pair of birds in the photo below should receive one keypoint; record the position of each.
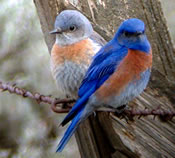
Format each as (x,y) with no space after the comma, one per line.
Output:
(108,76)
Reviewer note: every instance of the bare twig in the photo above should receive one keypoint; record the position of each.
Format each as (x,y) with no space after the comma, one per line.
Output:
(64,105)
(38,97)
(163,114)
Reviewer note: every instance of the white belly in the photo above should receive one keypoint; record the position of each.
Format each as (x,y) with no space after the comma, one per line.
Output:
(68,77)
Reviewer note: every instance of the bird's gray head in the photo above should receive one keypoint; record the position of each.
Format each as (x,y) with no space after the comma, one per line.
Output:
(70,27)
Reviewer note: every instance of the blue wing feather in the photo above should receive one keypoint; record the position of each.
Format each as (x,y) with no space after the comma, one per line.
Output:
(103,65)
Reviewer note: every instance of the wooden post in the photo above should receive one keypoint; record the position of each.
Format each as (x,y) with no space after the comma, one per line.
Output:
(106,136)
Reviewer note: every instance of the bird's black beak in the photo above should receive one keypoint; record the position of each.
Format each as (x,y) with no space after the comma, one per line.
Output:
(56,31)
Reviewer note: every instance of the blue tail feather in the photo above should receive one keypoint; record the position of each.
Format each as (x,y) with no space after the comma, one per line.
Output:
(78,106)
(76,116)
(69,132)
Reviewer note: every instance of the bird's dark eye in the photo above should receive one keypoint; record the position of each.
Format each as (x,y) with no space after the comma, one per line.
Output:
(133,34)
(72,28)
(127,34)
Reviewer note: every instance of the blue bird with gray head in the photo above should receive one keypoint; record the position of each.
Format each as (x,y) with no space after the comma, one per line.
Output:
(72,52)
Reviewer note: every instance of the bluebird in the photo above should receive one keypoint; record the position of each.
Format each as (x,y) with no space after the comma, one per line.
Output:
(72,52)
(119,72)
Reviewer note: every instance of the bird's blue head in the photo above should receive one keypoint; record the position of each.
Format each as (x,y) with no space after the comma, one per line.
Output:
(131,34)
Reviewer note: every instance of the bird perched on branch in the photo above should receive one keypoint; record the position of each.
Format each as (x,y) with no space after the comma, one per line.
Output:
(119,72)
(72,52)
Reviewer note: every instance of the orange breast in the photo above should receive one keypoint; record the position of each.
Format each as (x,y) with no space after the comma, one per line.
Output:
(129,69)
(78,52)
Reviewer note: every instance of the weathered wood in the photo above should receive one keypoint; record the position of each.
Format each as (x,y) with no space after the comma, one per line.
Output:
(47,15)
(100,136)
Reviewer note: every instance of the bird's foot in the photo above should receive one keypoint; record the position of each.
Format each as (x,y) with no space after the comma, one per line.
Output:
(120,109)
(62,106)
(119,112)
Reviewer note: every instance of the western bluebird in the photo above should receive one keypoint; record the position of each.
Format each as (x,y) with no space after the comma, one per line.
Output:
(72,52)
(119,72)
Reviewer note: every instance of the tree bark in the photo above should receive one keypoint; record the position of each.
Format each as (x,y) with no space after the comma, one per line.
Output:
(106,136)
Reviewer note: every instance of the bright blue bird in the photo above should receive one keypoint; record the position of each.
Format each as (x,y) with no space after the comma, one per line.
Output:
(119,72)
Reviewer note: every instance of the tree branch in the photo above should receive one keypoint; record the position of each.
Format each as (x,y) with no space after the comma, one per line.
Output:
(12,88)
(64,105)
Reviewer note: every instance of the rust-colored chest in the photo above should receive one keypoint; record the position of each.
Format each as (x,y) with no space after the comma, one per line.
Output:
(80,52)
(128,70)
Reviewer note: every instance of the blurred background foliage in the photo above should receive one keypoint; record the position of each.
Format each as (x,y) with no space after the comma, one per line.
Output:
(26,128)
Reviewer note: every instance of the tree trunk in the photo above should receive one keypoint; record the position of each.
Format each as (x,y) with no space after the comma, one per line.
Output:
(106,136)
